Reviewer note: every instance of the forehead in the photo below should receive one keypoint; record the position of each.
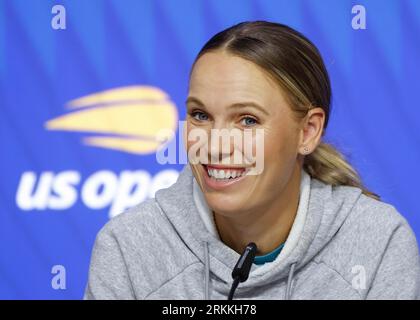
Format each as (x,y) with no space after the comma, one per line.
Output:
(220,76)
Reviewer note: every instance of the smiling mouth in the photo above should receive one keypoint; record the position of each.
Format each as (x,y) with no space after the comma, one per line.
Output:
(224,173)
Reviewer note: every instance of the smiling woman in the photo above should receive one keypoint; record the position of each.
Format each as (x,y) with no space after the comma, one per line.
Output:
(320,233)
(279,81)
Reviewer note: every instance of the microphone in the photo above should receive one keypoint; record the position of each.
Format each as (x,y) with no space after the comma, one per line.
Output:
(241,271)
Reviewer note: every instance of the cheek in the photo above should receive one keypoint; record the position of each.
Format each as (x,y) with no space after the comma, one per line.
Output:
(280,147)
(184,135)
(195,139)
(193,143)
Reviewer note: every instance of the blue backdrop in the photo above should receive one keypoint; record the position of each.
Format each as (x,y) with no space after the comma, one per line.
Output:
(79,106)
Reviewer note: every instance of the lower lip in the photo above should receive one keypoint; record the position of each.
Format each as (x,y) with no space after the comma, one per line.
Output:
(219,184)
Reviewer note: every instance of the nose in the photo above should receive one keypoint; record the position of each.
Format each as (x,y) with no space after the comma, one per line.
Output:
(222,144)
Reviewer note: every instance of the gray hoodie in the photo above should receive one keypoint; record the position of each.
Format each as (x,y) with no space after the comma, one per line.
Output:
(346,246)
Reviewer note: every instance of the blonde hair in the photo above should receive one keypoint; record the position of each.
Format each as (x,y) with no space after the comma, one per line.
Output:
(296,65)
(327,164)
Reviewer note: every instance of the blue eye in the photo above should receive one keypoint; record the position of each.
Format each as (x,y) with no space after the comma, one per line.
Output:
(201,116)
(249,121)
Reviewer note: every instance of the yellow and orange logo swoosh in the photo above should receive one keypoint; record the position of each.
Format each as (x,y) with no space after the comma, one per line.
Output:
(134,119)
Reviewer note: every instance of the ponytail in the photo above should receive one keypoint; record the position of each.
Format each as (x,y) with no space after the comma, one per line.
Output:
(328,165)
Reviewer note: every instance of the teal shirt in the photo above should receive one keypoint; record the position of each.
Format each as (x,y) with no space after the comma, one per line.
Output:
(269,257)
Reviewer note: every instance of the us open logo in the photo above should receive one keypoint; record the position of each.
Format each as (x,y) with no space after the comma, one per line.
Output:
(128,119)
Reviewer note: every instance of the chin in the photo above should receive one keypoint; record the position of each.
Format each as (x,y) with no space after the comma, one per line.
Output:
(226,205)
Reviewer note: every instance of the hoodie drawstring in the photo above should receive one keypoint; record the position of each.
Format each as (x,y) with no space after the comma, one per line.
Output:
(289,282)
(289,288)
(206,271)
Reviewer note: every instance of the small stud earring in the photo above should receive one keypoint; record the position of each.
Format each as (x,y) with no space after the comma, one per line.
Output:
(305,150)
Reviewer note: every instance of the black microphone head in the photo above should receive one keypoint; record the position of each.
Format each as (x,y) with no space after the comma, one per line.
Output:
(244,264)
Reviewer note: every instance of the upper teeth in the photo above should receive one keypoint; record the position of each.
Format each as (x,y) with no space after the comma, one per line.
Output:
(225,174)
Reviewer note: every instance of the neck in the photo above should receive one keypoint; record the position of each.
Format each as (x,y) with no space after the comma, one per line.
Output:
(267,226)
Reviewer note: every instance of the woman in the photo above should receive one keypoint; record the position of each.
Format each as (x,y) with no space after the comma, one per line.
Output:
(320,234)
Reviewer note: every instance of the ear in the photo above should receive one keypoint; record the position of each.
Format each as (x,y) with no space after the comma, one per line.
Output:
(311,131)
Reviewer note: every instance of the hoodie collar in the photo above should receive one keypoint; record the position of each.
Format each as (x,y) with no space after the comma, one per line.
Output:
(327,209)
(207,215)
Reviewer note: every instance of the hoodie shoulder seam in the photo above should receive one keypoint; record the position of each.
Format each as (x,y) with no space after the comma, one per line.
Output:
(339,274)
(172,278)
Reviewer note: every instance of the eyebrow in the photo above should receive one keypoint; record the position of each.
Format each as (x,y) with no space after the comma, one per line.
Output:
(237,105)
